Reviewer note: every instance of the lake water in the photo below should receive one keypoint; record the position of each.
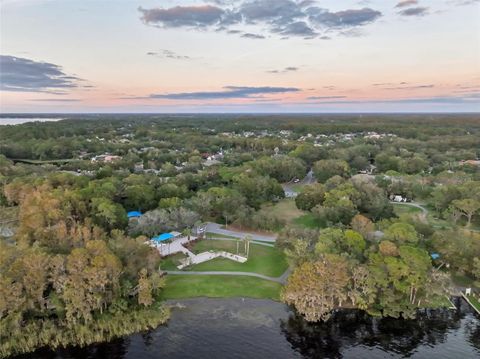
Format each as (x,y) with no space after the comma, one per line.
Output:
(19,120)
(237,328)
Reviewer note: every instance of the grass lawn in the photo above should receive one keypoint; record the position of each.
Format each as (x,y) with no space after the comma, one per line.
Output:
(298,187)
(264,260)
(400,209)
(309,221)
(172,261)
(288,211)
(190,286)
(284,209)
(439,302)
(463,280)
(218,235)
(475,302)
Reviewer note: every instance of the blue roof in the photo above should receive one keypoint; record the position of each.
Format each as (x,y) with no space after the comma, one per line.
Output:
(163,237)
(134,214)
(435,255)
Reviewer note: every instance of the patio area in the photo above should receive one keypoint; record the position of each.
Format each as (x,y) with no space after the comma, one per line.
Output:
(169,243)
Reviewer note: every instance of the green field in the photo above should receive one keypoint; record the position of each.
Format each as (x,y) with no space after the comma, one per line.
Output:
(190,286)
(309,221)
(171,262)
(285,210)
(474,301)
(218,235)
(288,211)
(400,208)
(264,260)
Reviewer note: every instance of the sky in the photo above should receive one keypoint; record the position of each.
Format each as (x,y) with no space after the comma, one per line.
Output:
(208,56)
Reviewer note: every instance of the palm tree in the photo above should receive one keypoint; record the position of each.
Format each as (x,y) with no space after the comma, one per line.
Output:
(247,239)
(187,232)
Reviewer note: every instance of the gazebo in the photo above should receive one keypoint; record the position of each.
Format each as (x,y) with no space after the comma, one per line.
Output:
(162,237)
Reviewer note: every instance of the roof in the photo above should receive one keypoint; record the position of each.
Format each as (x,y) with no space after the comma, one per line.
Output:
(134,214)
(162,237)
(435,255)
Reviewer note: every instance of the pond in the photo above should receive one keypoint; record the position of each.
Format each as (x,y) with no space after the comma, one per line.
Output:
(249,328)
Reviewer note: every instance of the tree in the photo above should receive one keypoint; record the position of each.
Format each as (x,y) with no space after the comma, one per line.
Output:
(91,280)
(282,168)
(362,289)
(468,207)
(316,288)
(311,196)
(108,214)
(401,233)
(354,243)
(443,196)
(257,189)
(145,297)
(247,239)
(372,200)
(324,169)
(141,197)
(400,282)
(476,268)
(388,248)
(362,225)
(309,153)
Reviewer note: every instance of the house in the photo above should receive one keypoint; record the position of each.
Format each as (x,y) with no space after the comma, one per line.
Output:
(138,167)
(398,198)
(469,162)
(106,158)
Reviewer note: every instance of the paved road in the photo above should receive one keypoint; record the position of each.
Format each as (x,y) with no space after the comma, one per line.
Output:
(216,228)
(282,279)
(290,191)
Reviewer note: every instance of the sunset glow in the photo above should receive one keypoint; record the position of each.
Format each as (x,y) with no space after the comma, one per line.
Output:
(239,56)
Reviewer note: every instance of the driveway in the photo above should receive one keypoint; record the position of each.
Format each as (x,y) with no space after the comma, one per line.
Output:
(217,228)
(289,189)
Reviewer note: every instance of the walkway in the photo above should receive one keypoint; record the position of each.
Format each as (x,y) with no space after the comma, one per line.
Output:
(282,279)
(265,244)
(217,228)
(207,256)
(175,246)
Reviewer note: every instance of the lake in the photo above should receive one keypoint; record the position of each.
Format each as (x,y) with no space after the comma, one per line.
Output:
(20,120)
(249,328)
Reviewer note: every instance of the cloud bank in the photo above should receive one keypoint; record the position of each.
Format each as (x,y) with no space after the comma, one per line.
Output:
(228,92)
(277,17)
(24,75)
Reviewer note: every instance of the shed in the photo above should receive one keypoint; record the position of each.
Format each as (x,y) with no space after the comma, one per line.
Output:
(435,256)
(134,214)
